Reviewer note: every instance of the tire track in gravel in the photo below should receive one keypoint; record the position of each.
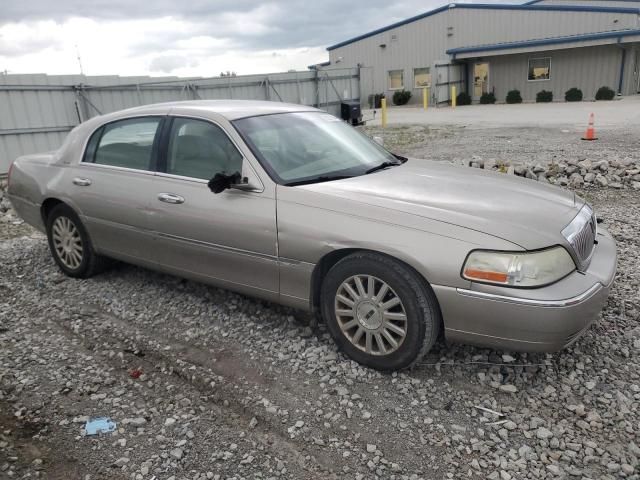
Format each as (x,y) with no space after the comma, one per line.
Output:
(194,370)
(291,386)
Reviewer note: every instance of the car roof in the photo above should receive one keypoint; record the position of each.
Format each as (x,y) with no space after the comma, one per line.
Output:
(230,109)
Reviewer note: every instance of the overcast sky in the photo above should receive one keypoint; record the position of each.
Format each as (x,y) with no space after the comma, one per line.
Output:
(185,37)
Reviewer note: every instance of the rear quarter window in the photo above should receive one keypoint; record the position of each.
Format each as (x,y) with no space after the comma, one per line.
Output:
(124,143)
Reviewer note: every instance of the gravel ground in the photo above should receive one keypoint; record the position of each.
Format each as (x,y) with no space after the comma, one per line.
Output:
(204,383)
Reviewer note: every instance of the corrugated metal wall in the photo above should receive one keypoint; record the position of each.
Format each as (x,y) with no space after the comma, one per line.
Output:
(37,111)
(587,69)
(424,42)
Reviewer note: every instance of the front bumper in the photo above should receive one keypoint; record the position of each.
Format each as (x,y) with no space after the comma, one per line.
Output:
(537,320)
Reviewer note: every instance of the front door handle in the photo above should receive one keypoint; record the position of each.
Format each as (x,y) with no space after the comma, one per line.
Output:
(170,198)
(81,182)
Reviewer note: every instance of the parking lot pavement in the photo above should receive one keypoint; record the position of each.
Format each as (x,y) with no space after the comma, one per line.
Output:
(620,113)
(203,383)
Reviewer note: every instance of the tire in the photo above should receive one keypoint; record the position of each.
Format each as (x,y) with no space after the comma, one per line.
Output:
(64,225)
(418,306)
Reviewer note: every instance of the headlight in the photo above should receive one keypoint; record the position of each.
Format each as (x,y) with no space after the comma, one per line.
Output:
(518,269)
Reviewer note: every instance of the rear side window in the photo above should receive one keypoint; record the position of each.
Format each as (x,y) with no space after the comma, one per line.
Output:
(125,143)
(200,149)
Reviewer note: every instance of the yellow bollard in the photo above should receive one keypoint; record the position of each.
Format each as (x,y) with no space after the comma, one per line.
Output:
(425,97)
(383,105)
(453,96)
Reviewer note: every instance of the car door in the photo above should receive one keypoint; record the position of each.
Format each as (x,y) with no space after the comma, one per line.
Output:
(227,238)
(112,185)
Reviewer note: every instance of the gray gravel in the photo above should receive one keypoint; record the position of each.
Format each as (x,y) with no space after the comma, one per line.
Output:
(230,387)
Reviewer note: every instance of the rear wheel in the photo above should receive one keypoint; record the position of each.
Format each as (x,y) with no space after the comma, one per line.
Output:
(379,311)
(70,244)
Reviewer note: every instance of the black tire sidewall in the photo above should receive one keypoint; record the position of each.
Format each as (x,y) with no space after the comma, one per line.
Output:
(398,277)
(85,265)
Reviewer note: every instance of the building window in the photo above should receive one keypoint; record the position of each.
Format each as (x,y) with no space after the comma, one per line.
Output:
(396,79)
(539,69)
(421,77)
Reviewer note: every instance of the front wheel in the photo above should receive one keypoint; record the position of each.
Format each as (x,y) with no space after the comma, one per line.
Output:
(70,245)
(380,312)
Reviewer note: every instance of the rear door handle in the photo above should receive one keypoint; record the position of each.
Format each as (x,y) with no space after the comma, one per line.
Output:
(170,198)
(81,182)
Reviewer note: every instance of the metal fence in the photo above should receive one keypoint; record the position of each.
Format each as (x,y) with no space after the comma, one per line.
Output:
(37,111)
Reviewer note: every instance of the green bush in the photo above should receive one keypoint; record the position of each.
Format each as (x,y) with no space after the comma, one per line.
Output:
(400,97)
(514,96)
(605,93)
(544,96)
(573,95)
(463,98)
(487,98)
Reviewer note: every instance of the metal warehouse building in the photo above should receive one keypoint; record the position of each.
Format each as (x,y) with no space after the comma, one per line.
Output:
(548,45)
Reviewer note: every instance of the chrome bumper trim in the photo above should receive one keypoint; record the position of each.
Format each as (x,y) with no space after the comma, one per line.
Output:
(567,302)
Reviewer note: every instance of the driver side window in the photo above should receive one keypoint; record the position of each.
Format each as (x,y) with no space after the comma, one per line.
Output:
(199,149)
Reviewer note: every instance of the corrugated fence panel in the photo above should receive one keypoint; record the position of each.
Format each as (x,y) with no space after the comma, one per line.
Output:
(37,111)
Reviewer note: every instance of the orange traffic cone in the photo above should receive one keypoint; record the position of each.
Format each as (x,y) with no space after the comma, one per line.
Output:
(590,134)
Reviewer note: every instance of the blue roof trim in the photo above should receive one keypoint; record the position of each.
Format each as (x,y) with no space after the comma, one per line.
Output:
(487,6)
(545,41)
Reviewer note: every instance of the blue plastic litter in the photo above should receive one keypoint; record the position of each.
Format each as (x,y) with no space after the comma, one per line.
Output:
(96,426)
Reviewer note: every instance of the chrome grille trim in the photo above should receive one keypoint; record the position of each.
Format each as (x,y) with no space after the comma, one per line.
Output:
(581,235)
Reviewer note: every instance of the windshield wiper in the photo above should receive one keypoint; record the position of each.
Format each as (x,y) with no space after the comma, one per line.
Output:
(382,166)
(324,178)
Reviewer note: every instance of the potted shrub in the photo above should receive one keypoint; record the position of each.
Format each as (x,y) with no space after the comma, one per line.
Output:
(401,97)
(573,95)
(544,96)
(605,93)
(377,100)
(463,98)
(514,96)
(487,98)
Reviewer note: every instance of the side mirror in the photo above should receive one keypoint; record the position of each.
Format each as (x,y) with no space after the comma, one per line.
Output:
(379,141)
(220,182)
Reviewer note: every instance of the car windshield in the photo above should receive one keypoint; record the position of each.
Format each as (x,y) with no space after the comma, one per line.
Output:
(310,147)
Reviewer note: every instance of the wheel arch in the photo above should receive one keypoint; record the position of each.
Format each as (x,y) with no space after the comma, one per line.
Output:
(48,205)
(330,259)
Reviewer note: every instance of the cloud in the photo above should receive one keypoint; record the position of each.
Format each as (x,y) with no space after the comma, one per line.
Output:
(169,63)
(202,37)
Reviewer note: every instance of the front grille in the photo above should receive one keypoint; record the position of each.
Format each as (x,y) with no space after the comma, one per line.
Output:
(581,235)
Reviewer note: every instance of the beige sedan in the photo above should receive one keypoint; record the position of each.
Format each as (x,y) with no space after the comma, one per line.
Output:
(290,204)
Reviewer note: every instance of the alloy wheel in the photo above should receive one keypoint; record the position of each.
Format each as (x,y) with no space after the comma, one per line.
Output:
(370,314)
(67,242)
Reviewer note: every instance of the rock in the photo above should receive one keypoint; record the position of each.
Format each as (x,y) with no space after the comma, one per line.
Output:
(589,177)
(576,180)
(136,422)
(176,453)
(371,448)
(253,423)
(121,461)
(508,388)
(600,180)
(544,433)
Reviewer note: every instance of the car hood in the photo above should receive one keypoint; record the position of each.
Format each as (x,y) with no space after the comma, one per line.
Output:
(525,212)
